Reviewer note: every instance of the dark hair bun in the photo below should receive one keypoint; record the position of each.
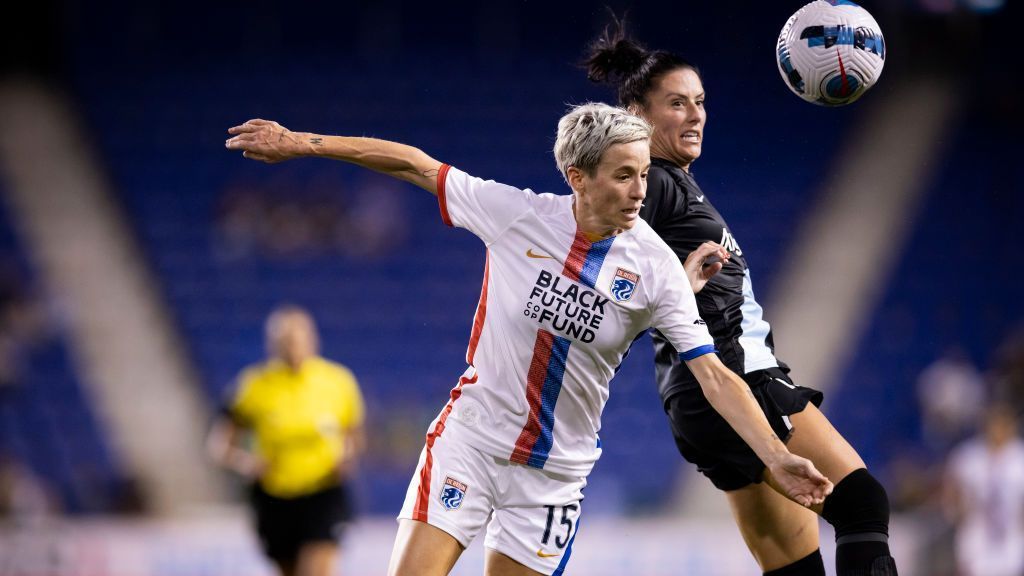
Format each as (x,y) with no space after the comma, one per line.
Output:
(611,64)
(614,57)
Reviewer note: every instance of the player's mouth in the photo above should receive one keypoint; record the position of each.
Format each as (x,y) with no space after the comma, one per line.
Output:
(631,213)
(691,136)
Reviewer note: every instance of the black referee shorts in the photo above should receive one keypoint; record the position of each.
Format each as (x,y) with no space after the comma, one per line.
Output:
(707,440)
(284,525)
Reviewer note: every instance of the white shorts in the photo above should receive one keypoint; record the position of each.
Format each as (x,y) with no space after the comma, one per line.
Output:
(534,515)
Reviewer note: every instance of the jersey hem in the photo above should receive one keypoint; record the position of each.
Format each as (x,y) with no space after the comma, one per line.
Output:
(771,362)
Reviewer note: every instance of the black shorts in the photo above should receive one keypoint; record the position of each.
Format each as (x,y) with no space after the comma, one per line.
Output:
(284,525)
(707,440)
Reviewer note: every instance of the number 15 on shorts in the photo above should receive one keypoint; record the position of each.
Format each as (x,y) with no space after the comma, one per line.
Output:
(558,529)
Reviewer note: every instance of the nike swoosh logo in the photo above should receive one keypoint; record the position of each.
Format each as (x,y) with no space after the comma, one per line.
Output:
(700,198)
(544,554)
(530,253)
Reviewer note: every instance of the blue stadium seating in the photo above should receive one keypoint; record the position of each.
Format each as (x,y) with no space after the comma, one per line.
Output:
(46,419)
(956,286)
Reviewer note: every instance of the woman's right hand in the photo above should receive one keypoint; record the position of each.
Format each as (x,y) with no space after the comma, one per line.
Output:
(268,141)
(248,465)
(703,263)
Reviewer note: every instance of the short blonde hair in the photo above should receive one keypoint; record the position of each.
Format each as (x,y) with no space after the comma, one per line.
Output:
(588,130)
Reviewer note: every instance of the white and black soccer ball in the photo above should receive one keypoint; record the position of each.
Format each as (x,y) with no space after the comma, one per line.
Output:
(830,52)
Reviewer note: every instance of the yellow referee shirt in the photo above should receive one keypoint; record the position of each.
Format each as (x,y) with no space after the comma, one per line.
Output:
(299,419)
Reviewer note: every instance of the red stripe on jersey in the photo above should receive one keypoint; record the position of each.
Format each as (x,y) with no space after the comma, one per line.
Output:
(534,385)
(442,177)
(423,494)
(481,313)
(577,257)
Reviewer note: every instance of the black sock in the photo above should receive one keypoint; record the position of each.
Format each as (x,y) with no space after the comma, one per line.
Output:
(810,565)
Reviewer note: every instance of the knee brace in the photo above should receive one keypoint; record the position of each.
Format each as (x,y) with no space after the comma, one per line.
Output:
(858,508)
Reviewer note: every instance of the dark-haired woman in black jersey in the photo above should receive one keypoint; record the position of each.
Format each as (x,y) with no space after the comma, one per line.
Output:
(782,535)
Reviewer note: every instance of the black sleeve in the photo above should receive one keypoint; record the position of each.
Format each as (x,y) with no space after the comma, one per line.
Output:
(664,198)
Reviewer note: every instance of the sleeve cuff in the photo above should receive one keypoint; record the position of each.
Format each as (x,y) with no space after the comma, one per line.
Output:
(698,351)
(442,177)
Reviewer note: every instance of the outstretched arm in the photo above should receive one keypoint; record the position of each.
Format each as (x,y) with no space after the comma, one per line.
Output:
(223,445)
(731,397)
(270,142)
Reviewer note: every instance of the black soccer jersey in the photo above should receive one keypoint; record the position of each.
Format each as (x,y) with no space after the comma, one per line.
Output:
(683,216)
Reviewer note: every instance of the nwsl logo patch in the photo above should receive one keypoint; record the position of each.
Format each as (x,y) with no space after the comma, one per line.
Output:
(624,284)
(452,493)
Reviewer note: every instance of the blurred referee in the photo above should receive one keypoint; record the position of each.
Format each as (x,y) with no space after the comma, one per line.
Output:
(305,415)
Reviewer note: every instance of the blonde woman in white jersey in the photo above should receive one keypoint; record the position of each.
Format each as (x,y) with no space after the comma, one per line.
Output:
(569,281)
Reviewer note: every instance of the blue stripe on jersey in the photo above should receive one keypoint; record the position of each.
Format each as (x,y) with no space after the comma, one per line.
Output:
(548,398)
(595,258)
(698,351)
(568,549)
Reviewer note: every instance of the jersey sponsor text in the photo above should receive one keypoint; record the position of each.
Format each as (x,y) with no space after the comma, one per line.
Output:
(565,307)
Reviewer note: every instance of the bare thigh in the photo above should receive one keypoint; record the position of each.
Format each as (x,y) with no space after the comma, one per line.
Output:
(317,559)
(497,564)
(286,568)
(777,531)
(423,550)
(816,439)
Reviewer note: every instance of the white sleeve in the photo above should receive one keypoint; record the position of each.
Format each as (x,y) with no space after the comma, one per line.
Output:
(674,311)
(484,207)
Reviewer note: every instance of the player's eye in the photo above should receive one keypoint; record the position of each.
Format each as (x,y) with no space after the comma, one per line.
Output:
(700,103)
(643,176)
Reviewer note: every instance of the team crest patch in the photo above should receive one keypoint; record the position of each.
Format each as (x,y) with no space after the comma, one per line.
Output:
(624,284)
(452,493)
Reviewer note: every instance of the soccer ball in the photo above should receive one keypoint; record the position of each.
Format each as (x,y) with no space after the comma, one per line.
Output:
(830,52)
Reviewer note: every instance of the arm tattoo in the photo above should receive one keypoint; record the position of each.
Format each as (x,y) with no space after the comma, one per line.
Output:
(317,141)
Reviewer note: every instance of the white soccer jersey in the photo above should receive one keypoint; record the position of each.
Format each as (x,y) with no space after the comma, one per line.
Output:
(990,539)
(557,315)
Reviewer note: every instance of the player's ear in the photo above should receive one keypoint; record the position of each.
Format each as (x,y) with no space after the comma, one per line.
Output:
(575,177)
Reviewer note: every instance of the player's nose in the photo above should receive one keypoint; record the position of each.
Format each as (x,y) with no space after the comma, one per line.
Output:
(639,190)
